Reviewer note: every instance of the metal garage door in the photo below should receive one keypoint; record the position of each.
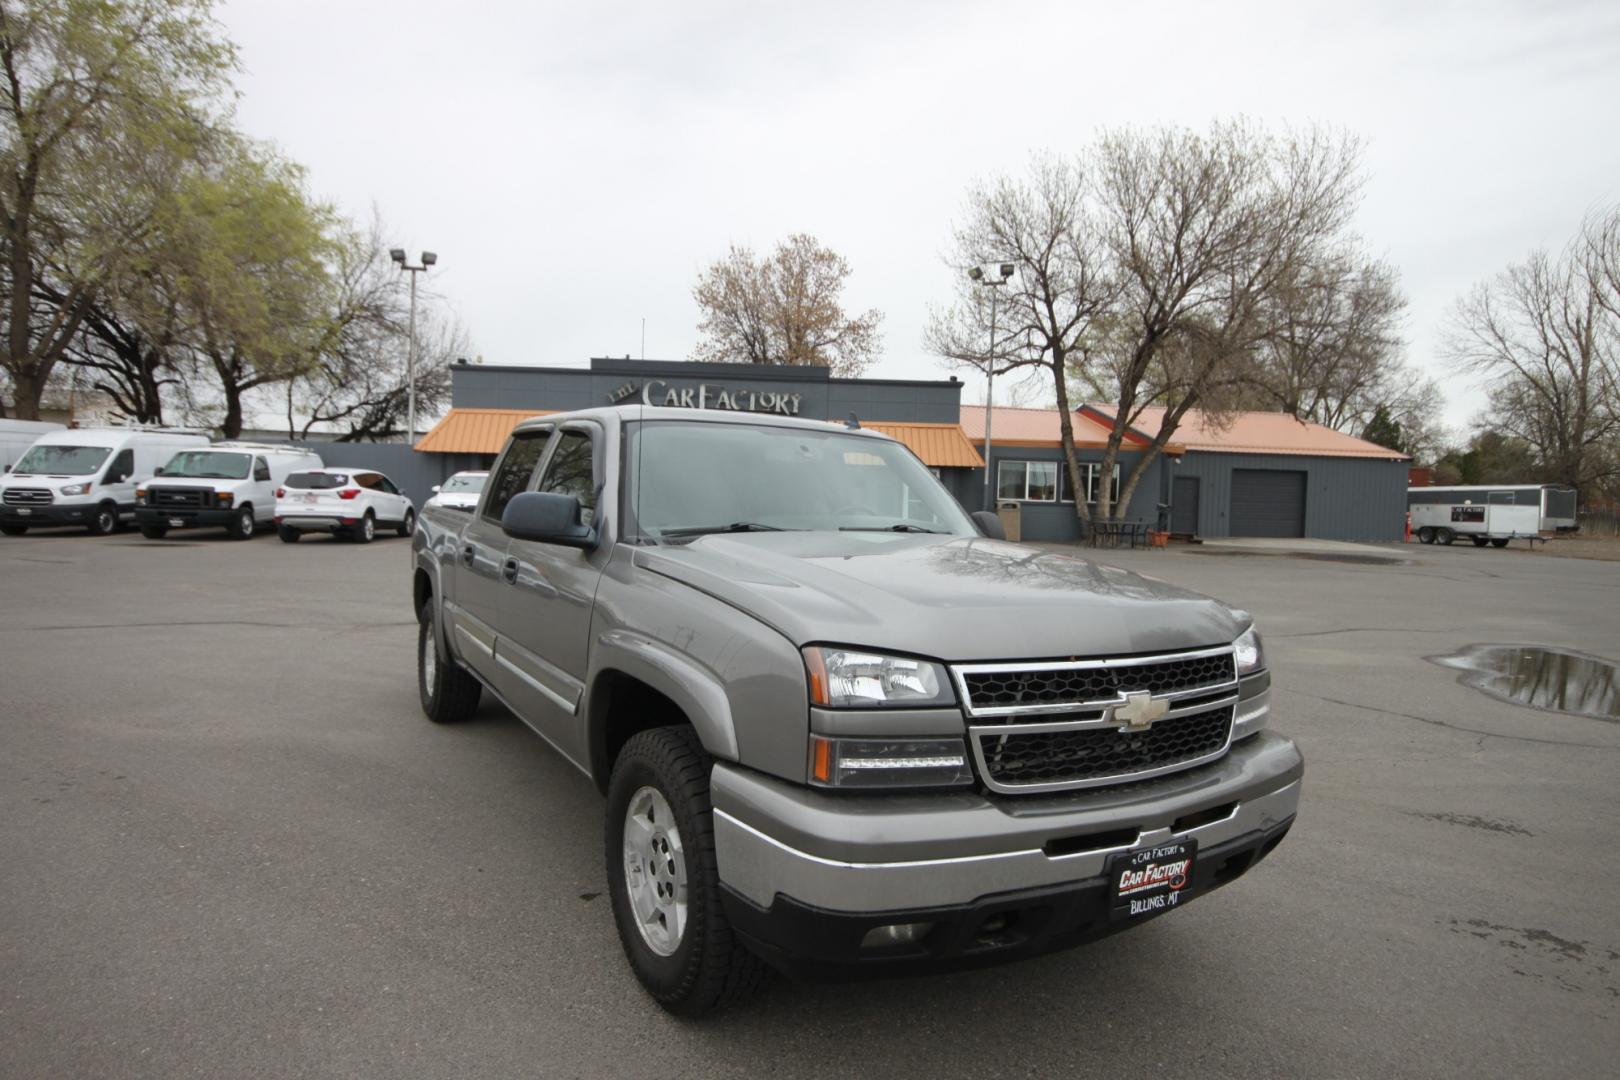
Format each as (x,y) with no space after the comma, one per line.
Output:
(1268,502)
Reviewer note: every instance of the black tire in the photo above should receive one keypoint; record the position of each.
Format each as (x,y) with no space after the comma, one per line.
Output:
(1426,535)
(366,531)
(13,530)
(449,692)
(153,530)
(288,534)
(105,520)
(1446,537)
(710,967)
(1479,541)
(1500,542)
(243,525)
(408,526)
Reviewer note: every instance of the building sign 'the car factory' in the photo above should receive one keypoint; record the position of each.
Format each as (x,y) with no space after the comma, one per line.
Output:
(704,396)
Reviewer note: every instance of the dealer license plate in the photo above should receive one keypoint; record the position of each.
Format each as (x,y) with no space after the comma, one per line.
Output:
(176,523)
(1148,881)
(23,511)
(311,497)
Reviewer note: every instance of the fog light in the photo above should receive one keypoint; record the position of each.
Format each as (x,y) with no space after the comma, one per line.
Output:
(885,937)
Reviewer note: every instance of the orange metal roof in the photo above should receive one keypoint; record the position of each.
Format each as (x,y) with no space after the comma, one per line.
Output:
(475,431)
(940,445)
(1261,433)
(1011,426)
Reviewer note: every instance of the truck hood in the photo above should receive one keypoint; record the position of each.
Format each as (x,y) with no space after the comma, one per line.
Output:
(950,598)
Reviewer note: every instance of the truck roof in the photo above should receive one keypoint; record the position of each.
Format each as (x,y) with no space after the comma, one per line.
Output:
(621,414)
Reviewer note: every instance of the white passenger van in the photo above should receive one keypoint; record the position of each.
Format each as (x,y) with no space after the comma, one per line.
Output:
(228,484)
(18,435)
(85,476)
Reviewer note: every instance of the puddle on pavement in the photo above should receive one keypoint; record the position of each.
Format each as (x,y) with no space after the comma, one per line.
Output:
(1541,677)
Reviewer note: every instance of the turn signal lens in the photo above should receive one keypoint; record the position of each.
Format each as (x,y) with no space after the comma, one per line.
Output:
(224,498)
(140,494)
(888,763)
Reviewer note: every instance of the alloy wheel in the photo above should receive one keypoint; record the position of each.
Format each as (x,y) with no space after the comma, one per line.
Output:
(655,871)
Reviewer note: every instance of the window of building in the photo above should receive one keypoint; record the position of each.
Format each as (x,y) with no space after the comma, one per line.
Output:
(1027,481)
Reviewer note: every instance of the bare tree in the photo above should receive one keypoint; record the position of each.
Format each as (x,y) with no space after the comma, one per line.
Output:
(1546,333)
(784,309)
(1061,285)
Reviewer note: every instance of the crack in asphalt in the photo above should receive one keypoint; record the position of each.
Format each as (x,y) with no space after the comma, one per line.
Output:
(1447,724)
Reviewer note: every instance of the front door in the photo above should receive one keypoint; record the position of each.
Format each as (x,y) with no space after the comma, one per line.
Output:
(472,606)
(1184,506)
(546,613)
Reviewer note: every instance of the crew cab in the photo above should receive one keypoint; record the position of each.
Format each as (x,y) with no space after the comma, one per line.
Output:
(231,485)
(841,726)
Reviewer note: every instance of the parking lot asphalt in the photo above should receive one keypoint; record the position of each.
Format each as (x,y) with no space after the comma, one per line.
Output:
(231,846)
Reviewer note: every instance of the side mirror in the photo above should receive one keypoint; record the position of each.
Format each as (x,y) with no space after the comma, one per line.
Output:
(989,524)
(435,489)
(8,468)
(159,471)
(547,518)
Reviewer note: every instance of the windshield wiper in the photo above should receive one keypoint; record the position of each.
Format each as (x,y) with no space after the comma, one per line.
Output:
(902,527)
(734,527)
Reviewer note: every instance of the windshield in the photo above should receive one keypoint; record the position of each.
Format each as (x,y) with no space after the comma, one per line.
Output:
(61,460)
(472,483)
(688,478)
(319,481)
(213,464)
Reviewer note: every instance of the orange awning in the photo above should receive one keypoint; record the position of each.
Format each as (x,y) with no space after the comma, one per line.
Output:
(939,445)
(475,431)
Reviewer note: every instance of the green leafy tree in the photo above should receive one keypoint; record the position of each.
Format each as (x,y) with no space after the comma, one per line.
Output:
(1383,429)
(100,104)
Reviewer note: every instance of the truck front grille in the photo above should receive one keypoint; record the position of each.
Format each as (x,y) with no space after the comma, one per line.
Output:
(1048,760)
(28,497)
(178,498)
(1052,725)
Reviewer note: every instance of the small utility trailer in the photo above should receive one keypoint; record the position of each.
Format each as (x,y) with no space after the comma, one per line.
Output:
(1491,515)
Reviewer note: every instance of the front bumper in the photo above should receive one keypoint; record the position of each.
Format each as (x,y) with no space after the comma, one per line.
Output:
(183,518)
(48,514)
(807,873)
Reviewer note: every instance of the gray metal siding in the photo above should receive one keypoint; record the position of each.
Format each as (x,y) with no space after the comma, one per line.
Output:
(1362,499)
(1057,521)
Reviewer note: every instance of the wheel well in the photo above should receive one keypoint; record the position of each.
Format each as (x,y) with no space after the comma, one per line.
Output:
(622,706)
(421,592)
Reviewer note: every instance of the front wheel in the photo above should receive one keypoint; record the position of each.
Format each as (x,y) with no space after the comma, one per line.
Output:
(154,531)
(14,530)
(663,880)
(408,526)
(1426,535)
(449,693)
(105,520)
(242,525)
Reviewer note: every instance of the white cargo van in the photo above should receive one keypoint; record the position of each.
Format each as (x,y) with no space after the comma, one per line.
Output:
(228,484)
(18,435)
(85,476)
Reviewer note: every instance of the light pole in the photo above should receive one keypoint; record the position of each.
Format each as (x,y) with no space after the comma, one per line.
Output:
(428,259)
(1005,270)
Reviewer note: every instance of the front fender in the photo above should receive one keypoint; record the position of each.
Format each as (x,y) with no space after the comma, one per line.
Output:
(694,688)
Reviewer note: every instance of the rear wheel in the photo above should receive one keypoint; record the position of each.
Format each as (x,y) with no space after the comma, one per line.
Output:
(408,526)
(366,531)
(104,521)
(1426,535)
(242,525)
(663,881)
(13,530)
(1479,541)
(1500,541)
(1446,536)
(154,530)
(449,693)
(288,534)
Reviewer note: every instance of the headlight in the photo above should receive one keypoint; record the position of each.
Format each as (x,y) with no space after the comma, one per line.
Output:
(78,489)
(857,679)
(140,495)
(881,763)
(1250,656)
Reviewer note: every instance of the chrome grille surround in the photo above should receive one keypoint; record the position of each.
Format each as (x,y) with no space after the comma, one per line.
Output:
(1042,714)
(29,497)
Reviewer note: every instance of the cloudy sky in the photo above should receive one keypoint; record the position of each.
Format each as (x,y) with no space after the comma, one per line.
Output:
(575,165)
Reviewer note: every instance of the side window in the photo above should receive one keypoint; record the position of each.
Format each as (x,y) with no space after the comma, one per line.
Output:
(387,485)
(513,473)
(261,469)
(367,480)
(570,472)
(122,467)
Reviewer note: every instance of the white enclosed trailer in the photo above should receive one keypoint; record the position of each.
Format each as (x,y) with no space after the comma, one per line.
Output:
(1490,515)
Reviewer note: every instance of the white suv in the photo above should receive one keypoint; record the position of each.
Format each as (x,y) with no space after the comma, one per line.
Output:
(230,484)
(352,503)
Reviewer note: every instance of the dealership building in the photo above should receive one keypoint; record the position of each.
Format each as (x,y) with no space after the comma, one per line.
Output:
(1254,474)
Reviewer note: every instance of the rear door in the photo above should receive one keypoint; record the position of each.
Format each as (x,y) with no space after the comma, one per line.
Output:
(472,604)
(546,608)
(262,488)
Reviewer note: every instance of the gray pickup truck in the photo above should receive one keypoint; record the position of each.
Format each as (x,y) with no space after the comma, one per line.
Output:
(842,726)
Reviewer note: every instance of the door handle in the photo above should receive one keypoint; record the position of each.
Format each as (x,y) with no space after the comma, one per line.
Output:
(509,569)
(467,554)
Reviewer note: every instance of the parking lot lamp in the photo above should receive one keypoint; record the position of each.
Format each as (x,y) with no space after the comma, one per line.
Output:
(428,259)
(977,274)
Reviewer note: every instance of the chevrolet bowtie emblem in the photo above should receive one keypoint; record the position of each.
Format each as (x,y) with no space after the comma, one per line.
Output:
(1139,711)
